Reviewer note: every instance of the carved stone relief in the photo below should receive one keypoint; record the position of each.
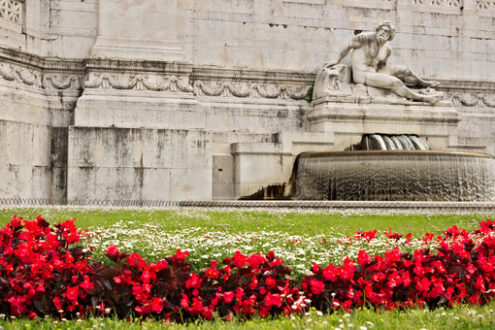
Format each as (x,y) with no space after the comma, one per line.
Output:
(244,89)
(466,99)
(61,81)
(25,76)
(173,83)
(485,4)
(11,10)
(36,79)
(224,86)
(161,83)
(450,7)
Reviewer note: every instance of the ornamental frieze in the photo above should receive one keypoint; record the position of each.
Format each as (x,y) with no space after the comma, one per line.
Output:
(22,75)
(61,81)
(255,90)
(225,86)
(474,99)
(157,83)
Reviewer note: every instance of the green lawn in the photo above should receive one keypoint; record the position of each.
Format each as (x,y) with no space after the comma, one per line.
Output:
(458,317)
(241,221)
(296,237)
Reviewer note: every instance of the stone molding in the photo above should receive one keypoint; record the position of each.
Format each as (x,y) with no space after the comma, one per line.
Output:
(375,4)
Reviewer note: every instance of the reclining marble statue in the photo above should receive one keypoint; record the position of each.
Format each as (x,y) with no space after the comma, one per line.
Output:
(369,57)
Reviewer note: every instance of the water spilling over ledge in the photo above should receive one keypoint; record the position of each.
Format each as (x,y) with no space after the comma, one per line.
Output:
(389,176)
(395,175)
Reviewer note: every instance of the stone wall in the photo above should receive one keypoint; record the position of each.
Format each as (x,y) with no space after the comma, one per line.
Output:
(234,76)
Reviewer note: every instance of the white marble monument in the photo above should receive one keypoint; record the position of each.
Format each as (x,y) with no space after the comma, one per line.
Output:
(202,100)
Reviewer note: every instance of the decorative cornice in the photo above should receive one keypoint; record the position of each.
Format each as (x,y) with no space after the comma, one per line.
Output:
(105,65)
(466,84)
(211,73)
(38,62)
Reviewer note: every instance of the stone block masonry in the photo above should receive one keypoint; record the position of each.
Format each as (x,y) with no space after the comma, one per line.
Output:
(166,100)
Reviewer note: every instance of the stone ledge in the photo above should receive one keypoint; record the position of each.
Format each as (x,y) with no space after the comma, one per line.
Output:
(337,113)
(353,207)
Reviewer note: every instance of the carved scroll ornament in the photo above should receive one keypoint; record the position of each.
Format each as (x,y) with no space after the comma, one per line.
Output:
(474,100)
(244,89)
(159,83)
(61,81)
(21,75)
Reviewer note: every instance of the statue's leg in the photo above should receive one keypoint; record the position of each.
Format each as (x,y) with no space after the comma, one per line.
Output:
(408,76)
(394,84)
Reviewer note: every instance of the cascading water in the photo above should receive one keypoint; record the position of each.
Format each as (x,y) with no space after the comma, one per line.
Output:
(391,142)
(395,175)
(388,168)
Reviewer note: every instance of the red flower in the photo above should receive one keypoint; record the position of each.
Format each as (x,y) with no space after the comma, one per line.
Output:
(135,260)
(270,282)
(228,296)
(87,285)
(423,284)
(194,282)
(180,256)
(161,265)
(112,250)
(212,272)
(72,293)
(391,235)
(157,304)
(363,258)
(329,273)
(317,287)
(273,300)
(239,259)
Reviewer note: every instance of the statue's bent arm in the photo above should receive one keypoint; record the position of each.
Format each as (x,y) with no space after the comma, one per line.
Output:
(355,43)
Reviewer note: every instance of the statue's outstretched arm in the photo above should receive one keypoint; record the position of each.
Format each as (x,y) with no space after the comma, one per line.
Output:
(343,53)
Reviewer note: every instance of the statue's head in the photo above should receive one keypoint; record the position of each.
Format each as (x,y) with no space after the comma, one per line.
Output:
(385,31)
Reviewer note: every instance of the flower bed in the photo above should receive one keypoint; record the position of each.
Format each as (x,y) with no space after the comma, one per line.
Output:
(43,273)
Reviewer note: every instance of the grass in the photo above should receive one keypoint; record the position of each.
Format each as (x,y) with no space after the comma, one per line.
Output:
(458,317)
(269,225)
(246,221)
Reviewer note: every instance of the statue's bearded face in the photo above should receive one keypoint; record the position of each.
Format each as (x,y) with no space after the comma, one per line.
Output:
(383,34)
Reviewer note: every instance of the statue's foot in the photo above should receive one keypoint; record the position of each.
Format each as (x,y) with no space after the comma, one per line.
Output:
(432,99)
(431,91)
(428,83)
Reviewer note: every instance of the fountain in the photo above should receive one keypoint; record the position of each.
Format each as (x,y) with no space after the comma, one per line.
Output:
(394,175)
(388,168)
(368,96)
(382,167)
